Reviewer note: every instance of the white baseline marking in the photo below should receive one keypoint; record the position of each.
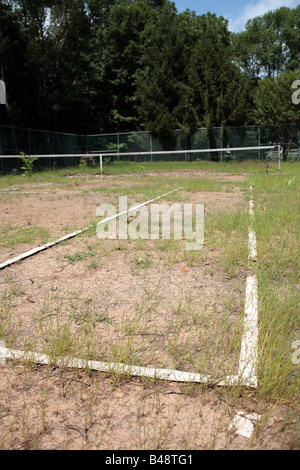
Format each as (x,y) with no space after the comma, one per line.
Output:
(164,374)
(153,372)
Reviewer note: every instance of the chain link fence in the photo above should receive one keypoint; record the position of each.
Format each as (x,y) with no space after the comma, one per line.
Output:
(14,140)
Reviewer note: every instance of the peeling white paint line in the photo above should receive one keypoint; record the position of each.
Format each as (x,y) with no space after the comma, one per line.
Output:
(171,375)
(40,248)
(248,355)
(229,381)
(111,367)
(134,208)
(251,207)
(252,246)
(249,345)
(41,192)
(251,204)
(29,253)
(2,356)
(232,380)
(164,374)
(243,424)
(16,188)
(252,237)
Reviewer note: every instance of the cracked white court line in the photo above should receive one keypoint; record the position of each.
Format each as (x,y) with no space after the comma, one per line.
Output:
(249,346)
(248,355)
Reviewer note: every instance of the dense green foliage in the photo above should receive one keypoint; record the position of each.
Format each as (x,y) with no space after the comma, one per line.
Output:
(122,65)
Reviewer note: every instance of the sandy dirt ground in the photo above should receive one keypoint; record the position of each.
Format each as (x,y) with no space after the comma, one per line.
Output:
(121,301)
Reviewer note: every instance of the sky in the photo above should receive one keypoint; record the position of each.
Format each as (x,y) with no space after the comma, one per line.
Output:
(237,12)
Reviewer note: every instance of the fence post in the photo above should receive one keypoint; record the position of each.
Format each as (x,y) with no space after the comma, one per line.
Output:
(1,151)
(259,143)
(118,143)
(29,142)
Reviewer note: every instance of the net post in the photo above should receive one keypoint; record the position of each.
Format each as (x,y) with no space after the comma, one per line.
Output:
(151,147)
(279,158)
(101,165)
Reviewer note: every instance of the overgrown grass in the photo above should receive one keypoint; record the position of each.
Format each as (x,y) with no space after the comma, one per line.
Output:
(199,336)
(234,166)
(277,228)
(13,235)
(56,175)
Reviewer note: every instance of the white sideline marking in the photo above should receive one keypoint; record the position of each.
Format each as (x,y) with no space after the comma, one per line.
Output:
(251,207)
(71,235)
(249,346)
(248,356)
(40,248)
(2,356)
(252,237)
(252,246)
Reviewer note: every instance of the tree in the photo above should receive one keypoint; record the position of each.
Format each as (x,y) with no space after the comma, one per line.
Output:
(270,43)
(120,60)
(32,16)
(157,74)
(121,65)
(274,108)
(12,60)
(185,112)
(99,90)
(220,90)
(69,66)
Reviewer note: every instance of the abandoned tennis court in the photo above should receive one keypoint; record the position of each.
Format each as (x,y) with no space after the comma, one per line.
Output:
(128,344)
